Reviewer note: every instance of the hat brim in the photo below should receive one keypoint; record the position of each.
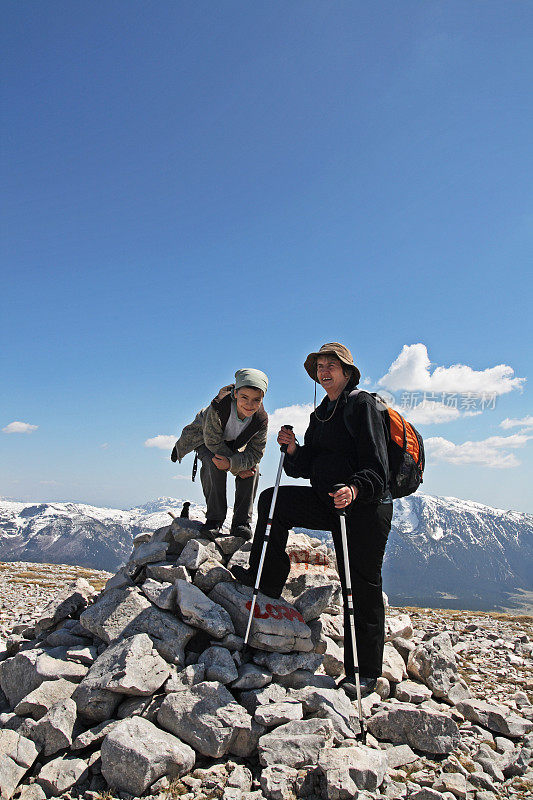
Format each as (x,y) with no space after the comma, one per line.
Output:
(310,364)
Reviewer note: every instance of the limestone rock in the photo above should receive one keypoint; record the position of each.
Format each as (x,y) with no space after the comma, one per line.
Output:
(206,716)
(162,594)
(332,704)
(219,665)
(53,732)
(333,659)
(203,612)
(278,781)
(149,552)
(68,602)
(399,626)
(125,612)
(346,767)
(284,664)
(277,626)
(18,748)
(37,703)
(192,555)
(129,666)
(412,692)
(136,753)
(250,676)
(25,672)
(209,574)
(433,662)
(494,717)
(314,601)
(278,713)
(11,774)
(296,744)
(62,774)
(393,665)
(429,731)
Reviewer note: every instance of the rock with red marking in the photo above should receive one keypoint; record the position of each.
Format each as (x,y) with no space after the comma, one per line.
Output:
(277,626)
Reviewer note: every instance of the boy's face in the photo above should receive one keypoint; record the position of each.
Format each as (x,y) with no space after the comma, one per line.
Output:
(248,401)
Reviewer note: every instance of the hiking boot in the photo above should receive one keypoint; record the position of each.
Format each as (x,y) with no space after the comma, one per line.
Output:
(242,531)
(348,684)
(248,577)
(211,529)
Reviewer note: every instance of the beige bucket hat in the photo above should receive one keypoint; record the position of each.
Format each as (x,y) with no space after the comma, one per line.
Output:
(333,348)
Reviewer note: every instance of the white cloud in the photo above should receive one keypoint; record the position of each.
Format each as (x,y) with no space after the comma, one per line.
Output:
(49,483)
(491,452)
(411,372)
(104,445)
(19,427)
(181,477)
(297,416)
(429,413)
(525,422)
(162,442)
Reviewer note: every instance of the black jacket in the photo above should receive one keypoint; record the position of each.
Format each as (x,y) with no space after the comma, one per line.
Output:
(330,454)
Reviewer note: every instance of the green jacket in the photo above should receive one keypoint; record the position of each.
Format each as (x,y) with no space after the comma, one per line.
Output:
(208,426)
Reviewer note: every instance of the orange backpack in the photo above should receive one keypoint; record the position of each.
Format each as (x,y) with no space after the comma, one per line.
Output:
(405,449)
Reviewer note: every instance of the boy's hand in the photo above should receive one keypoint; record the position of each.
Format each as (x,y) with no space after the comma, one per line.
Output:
(286,436)
(247,473)
(221,462)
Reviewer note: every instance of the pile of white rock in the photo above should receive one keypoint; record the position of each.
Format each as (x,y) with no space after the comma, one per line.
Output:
(146,689)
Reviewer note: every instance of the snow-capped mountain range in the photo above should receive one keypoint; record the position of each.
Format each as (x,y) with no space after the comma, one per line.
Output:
(442,551)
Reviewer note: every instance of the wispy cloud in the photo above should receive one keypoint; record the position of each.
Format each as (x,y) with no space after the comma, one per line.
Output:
(49,483)
(161,441)
(491,452)
(429,413)
(19,427)
(411,372)
(104,446)
(525,422)
(297,416)
(181,477)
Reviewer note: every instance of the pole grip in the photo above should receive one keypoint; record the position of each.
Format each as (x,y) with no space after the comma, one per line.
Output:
(283,447)
(340,511)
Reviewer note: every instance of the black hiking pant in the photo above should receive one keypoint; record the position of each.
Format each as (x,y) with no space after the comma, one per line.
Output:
(367,528)
(214,482)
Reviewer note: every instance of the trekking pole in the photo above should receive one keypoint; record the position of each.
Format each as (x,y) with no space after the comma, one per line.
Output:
(265,540)
(349,600)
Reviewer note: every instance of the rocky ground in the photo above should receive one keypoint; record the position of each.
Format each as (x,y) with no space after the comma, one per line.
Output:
(143,689)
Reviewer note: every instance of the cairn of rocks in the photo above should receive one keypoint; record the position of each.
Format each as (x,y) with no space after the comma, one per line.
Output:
(145,688)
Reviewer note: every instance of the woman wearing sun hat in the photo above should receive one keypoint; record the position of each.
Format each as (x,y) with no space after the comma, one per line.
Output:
(334,454)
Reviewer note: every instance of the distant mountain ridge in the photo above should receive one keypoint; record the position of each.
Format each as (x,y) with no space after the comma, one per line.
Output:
(442,551)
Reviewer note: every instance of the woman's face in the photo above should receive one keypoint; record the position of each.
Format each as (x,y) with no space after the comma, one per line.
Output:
(248,401)
(330,375)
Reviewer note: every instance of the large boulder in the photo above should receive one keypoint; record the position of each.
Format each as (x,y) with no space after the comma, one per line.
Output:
(201,611)
(68,602)
(206,716)
(495,717)
(430,731)
(37,703)
(296,744)
(25,672)
(130,666)
(125,612)
(53,732)
(433,662)
(17,755)
(345,770)
(277,626)
(136,753)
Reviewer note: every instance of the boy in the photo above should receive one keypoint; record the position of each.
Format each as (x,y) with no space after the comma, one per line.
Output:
(229,436)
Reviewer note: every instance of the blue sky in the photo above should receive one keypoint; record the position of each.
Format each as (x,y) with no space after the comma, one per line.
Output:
(191,188)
